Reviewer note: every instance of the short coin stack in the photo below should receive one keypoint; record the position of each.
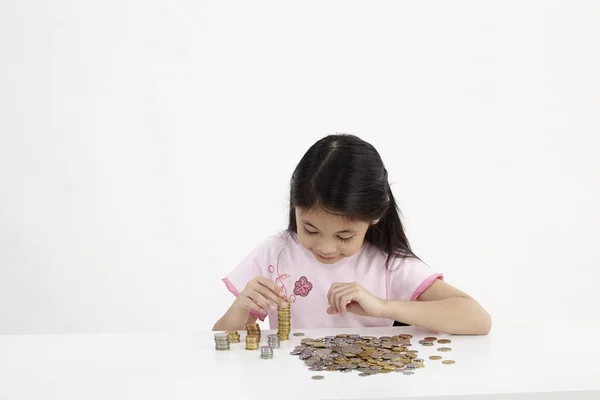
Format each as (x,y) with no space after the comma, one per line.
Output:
(284,322)
(253,329)
(234,337)
(266,352)
(273,341)
(222,341)
(252,342)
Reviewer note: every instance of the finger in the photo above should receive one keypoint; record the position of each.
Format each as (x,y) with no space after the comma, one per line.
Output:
(260,300)
(272,286)
(343,297)
(252,305)
(330,310)
(268,294)
(331,295)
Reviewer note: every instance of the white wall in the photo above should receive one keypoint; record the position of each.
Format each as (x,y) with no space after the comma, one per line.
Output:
(146,147)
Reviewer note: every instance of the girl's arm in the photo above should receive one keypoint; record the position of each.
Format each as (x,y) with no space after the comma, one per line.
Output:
(441,308)
(234,319)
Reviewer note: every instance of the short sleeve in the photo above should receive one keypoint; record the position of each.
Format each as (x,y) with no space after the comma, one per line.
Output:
(251,267)
(408,278)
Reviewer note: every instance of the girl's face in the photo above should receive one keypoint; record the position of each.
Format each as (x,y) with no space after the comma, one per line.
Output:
(328,236)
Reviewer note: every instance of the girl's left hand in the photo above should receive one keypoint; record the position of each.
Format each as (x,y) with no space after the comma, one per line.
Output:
(352,297)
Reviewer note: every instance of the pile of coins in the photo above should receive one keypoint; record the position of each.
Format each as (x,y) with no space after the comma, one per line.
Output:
(234,337)
(273,341)
(252,342)
(284,322)
(222,341)
(368,355)
(266,352)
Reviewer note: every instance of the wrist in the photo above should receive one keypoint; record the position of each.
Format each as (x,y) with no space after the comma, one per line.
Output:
(392,309)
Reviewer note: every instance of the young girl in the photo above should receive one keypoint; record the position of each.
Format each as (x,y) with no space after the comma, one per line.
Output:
(344,260)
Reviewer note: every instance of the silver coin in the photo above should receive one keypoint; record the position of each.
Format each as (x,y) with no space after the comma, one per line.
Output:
(318,377)
(408,373)
(298,334)
(363,374)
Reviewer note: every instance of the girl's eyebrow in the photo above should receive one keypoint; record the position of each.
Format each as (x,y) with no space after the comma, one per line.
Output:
(314,227)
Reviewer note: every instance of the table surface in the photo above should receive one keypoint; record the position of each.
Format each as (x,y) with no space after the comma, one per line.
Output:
(510,360)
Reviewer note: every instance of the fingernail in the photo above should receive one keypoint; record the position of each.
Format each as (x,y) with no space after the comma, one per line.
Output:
(281,293)
(283,304)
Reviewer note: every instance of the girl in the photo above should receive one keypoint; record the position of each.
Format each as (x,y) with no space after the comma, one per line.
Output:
(344,260)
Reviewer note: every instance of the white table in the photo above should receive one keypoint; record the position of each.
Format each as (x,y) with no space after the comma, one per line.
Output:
(511,363)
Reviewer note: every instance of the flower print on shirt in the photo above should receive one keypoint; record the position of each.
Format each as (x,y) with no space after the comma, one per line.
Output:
(302,287)
(280,277)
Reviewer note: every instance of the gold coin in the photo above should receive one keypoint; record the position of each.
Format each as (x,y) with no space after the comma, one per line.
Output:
(435,357)
(430,338)
(444,349)
(444,341)
(448,362)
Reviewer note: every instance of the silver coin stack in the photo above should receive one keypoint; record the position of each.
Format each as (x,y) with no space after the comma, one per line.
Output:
(273,341)
(266,352)
(222,341)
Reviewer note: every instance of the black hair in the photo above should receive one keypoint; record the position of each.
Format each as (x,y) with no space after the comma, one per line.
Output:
(345,175)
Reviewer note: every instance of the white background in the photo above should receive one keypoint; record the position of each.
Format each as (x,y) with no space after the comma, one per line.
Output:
(146,147)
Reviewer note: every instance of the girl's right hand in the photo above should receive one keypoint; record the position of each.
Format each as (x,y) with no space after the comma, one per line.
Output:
(261,294)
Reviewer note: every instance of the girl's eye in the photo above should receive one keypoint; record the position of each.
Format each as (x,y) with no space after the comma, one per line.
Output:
(308,232)
(345,239)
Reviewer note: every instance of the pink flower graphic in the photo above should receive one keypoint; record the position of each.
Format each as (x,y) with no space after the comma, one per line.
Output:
(302,286)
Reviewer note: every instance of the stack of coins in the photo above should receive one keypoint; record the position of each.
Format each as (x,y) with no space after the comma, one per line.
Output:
(273,341)
(234,337)
(284,322)
(252,342)
(266,352)
(253,329)
(222,341)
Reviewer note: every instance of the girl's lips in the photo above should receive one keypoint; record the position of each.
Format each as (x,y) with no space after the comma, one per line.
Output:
(325,258)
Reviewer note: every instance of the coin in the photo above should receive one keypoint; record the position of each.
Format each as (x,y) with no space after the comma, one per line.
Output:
(430,339)
(448,362)
(318,377)
(444,341)
(435,357)
(408,372)
(444,349)
(363,374)
(298,334)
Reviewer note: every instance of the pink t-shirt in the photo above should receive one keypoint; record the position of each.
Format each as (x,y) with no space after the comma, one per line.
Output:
(306,281)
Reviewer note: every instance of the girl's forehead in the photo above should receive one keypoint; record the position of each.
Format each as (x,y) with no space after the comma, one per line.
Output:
(319,215)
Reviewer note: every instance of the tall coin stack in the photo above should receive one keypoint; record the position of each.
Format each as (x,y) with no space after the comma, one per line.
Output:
(253,329)
(234,337)
(284,322)
(273,341)
(252,342)
(222,341)
(266,352)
